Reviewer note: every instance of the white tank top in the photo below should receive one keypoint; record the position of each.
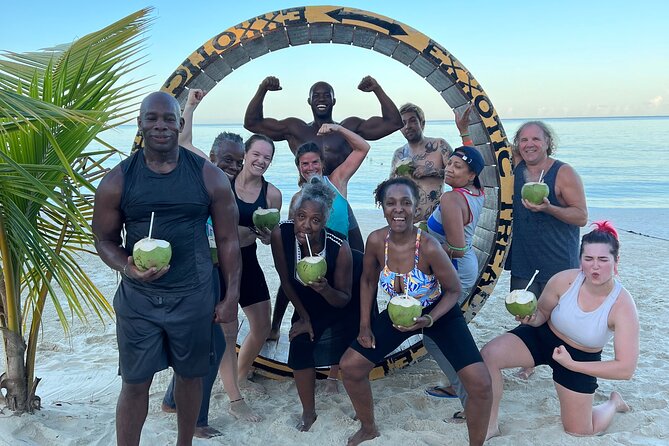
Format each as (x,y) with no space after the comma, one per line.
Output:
(589,329)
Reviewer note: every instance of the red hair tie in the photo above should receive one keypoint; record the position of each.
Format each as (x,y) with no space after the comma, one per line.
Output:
(606,226)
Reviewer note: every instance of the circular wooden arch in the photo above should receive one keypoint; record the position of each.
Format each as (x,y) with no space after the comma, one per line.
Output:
(276,30)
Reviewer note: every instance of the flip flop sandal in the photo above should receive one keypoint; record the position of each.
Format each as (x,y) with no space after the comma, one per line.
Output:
(440,392)
(458,417)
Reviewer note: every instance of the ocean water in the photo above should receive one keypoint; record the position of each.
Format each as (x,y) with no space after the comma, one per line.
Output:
(623,162)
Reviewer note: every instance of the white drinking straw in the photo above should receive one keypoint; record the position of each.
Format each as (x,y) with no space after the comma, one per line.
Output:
(308,245)
(541,175)
(536,271)
(151,224)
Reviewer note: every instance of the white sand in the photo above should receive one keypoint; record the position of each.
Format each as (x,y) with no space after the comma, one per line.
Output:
(79,385)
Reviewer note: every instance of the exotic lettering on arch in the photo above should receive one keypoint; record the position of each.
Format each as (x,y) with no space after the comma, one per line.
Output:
(294,16)
(258,25)
(224,40)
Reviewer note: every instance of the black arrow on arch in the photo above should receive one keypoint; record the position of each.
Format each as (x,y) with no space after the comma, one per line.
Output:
(393,28)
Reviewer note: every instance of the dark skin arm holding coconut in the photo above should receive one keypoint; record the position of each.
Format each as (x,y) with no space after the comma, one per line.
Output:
(107,225)
(441,266)
(304,324)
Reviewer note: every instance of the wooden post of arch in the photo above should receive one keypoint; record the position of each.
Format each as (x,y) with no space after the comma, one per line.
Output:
(229,50)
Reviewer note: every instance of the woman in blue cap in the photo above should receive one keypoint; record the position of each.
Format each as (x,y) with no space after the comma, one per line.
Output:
(453,223)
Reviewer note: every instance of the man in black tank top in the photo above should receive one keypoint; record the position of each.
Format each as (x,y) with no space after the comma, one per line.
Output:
(165,316)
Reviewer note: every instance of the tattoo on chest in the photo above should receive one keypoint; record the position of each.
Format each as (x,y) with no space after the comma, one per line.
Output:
(431,147)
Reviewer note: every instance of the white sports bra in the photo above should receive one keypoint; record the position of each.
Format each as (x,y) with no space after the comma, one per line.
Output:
(589,329)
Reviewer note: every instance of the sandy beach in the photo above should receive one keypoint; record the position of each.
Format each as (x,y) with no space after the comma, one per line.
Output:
(80,385)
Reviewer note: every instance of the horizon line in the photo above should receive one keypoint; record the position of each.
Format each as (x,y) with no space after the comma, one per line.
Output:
(505,119)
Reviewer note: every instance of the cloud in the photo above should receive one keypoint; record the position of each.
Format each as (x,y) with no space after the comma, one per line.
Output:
(656,101)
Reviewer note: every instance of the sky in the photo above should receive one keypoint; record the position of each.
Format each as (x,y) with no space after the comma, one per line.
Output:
(534,59)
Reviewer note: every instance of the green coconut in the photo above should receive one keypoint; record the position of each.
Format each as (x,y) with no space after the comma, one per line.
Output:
(521,303)
(151,252)
(403,309)
(266,218)
(405,168)
(534,192)
(312,268)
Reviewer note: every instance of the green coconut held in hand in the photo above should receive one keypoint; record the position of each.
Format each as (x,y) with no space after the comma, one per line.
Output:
(403,309)
(521,303)
(405,168)
(266,218)
(534,192)
(151,252)
(311,269)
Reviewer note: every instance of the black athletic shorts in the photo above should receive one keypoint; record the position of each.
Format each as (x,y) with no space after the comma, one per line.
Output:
(449,332)
(541,341)
(253,287)
(155,332)
(331,339)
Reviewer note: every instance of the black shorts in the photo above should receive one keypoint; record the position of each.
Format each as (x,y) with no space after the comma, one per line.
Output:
(154,332)
(253,288)
(331,339)
(449,332)
(541,341)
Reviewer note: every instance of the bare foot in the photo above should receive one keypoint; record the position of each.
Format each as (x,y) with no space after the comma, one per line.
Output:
(274,334)
(168,409)
(525,373)
(363,435)
(240,410)
(249,386)
(493,433)
(621,405)
(331,386)
(308,420)
(206,432)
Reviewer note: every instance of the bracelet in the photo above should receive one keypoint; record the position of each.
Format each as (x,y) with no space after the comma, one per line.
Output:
(431,320)
(464,135)
(454,248)
(332,379)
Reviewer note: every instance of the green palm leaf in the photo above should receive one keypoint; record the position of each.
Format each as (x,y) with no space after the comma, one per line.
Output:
(53,104)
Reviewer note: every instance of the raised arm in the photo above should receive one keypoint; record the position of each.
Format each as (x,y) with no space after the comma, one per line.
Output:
(360,149)
(225,218)
(571,194)
(462,123)
(256,122)
(195,96)
(375,127)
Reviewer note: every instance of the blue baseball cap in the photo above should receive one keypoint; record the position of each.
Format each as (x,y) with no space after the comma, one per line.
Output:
(472,157)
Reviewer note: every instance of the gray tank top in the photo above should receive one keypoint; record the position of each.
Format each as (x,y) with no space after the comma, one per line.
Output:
(467,265)
(181,204)
(540,241)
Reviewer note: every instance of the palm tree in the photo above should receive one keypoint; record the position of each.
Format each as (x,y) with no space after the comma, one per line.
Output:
(53,104)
